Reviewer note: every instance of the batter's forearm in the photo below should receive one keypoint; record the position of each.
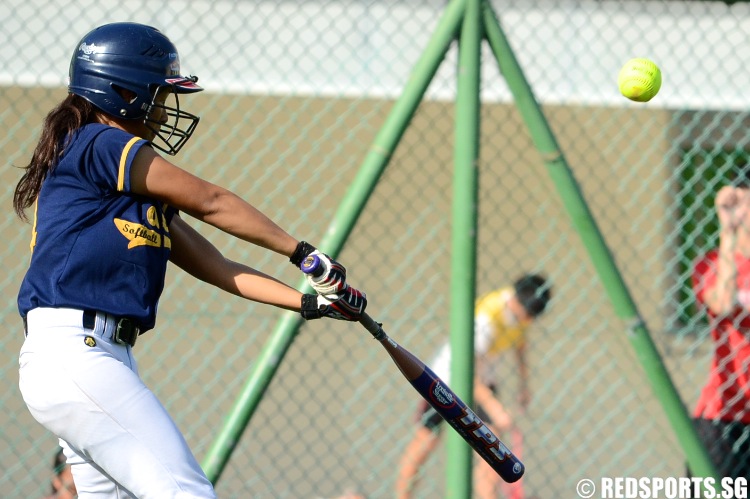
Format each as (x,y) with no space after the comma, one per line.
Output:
(229,213)
(261,288)
(253,285)
(197,256)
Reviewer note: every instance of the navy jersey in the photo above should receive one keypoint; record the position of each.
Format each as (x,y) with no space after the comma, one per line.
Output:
(94,244)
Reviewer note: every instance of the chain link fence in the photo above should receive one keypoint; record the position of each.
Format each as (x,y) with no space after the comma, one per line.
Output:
(295,93)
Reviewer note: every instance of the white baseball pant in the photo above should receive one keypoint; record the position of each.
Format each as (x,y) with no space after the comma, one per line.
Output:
(117,436)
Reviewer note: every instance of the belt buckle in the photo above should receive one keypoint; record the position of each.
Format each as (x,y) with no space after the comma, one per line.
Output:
(126,332)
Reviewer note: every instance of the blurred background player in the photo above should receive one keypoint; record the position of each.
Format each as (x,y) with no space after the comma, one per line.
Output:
(721,282)
(62,483)
(500,324)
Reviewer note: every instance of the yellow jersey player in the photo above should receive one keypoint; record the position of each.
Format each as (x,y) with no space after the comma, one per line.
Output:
(501,319)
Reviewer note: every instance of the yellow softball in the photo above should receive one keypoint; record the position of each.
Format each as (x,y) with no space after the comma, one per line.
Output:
(639,79)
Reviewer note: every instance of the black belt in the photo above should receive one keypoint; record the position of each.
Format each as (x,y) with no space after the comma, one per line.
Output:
(126,330)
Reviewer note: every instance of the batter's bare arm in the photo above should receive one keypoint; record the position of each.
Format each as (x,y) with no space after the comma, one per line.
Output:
(197,256)
(151,175)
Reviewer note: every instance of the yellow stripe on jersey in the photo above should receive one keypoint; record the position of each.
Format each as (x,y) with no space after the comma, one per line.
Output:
(505,336)
(33,227)
(123,162)
(167,240)
(164,208)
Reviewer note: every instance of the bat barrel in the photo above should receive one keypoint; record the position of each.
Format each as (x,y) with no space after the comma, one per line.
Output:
(467,424)
(456,413)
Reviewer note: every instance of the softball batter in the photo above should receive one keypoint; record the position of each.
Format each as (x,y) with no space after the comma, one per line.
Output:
(106,222)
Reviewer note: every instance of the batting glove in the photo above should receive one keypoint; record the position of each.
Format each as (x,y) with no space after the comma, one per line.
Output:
(349,305)
(302,251)
(332,280)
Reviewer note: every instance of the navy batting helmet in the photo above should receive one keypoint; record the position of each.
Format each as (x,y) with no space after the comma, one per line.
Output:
(140,60)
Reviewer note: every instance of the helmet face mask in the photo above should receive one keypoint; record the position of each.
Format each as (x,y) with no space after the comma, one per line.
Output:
(171,126)
(121,68)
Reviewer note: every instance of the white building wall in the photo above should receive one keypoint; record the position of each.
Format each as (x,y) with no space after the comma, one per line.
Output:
(571,51)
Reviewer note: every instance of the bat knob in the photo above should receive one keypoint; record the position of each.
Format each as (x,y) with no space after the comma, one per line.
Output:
(311,265)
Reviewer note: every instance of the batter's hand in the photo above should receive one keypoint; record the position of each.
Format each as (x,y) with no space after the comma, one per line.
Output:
(349,305)
(332,279)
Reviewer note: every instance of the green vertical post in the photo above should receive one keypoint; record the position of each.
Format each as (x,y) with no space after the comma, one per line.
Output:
(463,244)
(599,253)
(338,231)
